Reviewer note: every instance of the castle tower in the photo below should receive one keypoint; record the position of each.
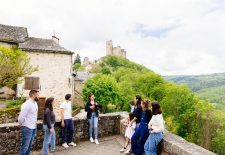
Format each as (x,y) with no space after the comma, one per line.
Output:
(86,61)
(109,47)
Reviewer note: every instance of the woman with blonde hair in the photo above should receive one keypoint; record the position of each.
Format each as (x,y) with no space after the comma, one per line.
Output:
(140,136)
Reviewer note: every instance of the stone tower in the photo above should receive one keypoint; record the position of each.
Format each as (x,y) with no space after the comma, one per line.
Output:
(109,47)
(115,51)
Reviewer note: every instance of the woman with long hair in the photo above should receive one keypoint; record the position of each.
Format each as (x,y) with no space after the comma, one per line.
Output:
(156,127)
(141,134)
(48,126)
(137,110)
(92,108)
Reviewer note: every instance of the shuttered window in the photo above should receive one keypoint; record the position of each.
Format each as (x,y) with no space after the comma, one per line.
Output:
(32,83)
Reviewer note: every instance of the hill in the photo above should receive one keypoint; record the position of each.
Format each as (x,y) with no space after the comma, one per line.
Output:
(209,87)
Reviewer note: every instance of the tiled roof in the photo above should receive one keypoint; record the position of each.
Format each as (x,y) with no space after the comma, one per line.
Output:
(13,33)
(19,35)
(82,76)
(43,45)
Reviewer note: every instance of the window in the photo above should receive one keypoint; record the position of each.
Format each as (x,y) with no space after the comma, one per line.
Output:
(32,83)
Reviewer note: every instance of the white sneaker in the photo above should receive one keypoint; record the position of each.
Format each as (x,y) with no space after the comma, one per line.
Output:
(65,145)
(96,141)
(72,144)
(91,140)
(122,150)
(127,151)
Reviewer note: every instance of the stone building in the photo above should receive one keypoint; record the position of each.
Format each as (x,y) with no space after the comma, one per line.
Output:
(54,62)
(86,61)
(116,51)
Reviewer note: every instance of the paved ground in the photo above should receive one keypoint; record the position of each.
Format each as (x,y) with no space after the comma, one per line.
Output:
(108,146)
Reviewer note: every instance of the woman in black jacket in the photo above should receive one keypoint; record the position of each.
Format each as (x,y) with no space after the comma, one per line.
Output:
(92,108)
(48,126)
(142,115)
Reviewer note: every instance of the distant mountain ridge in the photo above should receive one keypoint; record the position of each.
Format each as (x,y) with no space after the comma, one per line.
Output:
(198,82)
(210,87)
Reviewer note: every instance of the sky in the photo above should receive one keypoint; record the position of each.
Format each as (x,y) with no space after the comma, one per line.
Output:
(171,37)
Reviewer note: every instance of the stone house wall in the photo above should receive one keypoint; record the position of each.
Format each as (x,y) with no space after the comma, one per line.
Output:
(54,73)
(6,44)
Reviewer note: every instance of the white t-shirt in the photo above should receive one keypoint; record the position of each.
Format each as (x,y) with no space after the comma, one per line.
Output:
(67,109)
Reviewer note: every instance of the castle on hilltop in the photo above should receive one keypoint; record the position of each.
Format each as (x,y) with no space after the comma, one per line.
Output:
(115,51)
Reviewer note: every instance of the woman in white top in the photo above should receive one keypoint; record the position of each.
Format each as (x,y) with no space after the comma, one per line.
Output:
(130,129)
(156,126)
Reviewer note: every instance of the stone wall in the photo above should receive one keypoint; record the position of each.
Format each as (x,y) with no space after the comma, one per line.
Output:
(10,136)
(8,45)
(9,115)
(109,124)
(175,145)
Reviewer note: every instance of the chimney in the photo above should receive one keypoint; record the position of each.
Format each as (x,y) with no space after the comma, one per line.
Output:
(56,39)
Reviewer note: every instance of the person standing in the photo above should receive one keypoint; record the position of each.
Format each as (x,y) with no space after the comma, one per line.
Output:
(141,134)
(28,121)
(67,122)
(92,108)
(156,126)
(48,126)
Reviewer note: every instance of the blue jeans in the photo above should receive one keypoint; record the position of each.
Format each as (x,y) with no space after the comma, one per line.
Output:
(93,125)
(49,138)
(152,143)
(70,127)
(27,139)
(139,138)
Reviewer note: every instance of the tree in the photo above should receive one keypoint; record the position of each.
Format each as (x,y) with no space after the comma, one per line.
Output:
(14,64)
(76,66)
(77,59)
(179,102)
(106,70)
(105,89)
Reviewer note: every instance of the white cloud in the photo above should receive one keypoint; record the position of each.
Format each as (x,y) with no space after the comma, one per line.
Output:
(168,36)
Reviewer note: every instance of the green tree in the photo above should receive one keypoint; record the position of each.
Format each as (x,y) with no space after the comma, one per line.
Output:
(106,70)
(14,64)
(105,89)
(77,59)
(76,66)
(179,102)
(151,85)
(218,137)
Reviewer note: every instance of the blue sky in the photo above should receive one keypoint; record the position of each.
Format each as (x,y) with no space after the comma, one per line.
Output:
(168,36)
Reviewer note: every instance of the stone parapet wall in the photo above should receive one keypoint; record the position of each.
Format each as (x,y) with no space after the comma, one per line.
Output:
(109,124)
(10,135)
(175,145)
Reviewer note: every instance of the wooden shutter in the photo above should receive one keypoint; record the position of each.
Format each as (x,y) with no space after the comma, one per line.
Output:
(32,83)
(28,83)
(35,84)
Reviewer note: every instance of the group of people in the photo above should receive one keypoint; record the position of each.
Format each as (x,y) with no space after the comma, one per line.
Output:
(143,132)
(144,128)
(28,122)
